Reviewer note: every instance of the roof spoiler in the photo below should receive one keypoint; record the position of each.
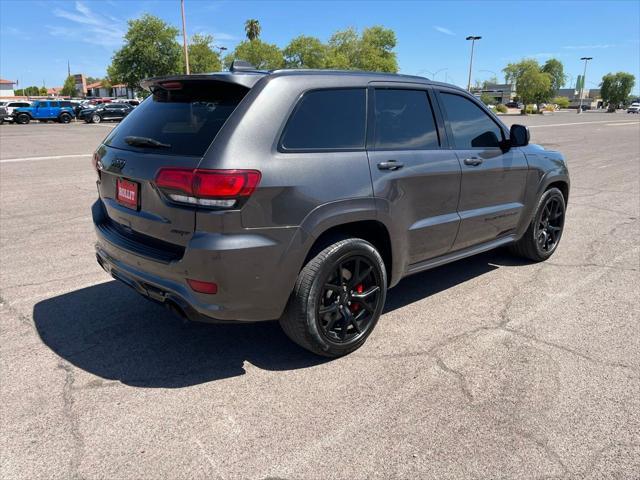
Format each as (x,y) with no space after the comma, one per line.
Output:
(241,66)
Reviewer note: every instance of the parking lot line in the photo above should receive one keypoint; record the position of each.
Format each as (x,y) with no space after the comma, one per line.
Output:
(578,123)
(625,123)
(28,159)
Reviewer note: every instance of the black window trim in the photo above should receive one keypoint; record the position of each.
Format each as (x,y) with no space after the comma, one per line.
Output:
(442,141)
(298,102)
(452,142)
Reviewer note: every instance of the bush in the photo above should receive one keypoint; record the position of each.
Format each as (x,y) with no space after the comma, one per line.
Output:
(501,108)
(529,109)
(550,108)
(562,102)
(487,99)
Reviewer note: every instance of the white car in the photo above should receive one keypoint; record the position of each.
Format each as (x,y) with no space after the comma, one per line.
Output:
(634,108)
(11,106)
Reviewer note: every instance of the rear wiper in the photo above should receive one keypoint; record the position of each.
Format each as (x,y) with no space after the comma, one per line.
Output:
(145,142)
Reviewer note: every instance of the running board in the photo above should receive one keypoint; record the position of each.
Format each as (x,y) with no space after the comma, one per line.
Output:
(452,257)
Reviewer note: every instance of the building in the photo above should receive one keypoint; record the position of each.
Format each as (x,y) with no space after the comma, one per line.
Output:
(6,88)
(591,98)
(117,91)
(501,92)
(54,91)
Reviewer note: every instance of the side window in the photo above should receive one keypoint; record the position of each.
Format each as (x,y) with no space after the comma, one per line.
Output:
(404,120)
(471,126)
(327,120)
(43,104)
(55,104)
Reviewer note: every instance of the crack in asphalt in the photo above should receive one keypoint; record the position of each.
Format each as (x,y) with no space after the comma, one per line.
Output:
(72,419)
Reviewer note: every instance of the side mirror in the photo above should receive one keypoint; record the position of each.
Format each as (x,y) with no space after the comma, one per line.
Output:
(519,135)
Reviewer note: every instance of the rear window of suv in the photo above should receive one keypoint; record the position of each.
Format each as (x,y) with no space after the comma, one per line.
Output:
(186,119)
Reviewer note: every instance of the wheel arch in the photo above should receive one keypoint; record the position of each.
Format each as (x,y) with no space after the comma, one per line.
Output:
(370,230)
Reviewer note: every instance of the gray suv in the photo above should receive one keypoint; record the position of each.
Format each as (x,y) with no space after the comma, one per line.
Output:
(304,195)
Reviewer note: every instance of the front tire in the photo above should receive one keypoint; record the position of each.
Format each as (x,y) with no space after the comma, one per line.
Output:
(545,230)
(65,118)
(337,299)
(23,119)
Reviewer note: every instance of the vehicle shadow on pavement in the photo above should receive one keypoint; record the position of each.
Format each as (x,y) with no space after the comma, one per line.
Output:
(112,332)
(421,285)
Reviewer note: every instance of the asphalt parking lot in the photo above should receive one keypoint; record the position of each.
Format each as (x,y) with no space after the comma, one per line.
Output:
(487,368)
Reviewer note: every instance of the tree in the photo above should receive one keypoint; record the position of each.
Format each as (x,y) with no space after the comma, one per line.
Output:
(616,87)
(202,58)
(555,69)
(252,29)
(150,50)
(31,91)
(372,51)
(533,85)
(69,87)
(263,56)
(305,52)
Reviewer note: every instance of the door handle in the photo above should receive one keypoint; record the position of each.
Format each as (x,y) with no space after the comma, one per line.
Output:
(473,161)
(390,165)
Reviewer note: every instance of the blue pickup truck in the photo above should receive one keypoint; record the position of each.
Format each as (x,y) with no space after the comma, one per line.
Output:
(45,110)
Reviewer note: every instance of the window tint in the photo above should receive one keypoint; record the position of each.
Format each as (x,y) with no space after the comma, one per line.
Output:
(404,120)
(55,104)
(327,120)
(43,104)
(188,119)
(65,104)
(471,126)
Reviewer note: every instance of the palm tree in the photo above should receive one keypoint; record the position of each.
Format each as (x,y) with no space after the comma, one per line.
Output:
(252,28)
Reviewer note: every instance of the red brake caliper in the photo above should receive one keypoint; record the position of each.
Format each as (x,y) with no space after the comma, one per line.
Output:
(356,306)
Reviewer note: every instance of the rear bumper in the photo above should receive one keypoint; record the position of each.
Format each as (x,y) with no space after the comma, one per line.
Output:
(252,271)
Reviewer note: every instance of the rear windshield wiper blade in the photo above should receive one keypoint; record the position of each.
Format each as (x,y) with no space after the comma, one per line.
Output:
(145,142)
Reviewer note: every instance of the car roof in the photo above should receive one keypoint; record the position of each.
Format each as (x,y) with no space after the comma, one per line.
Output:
(248,78)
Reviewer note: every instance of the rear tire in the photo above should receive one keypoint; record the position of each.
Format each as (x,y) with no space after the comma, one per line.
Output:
(95,119)
(545,230)
(337,299)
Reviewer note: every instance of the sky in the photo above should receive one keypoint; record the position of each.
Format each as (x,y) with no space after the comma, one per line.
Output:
(38,37)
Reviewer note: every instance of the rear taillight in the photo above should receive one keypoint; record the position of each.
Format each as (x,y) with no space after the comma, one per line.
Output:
(208,188)
(95,161)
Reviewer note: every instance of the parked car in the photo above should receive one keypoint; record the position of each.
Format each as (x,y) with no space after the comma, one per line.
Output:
(519,105)
(304,195)
(634,108)
(134,102)
(108,111)
(3,113)
(44,111)
(10,106)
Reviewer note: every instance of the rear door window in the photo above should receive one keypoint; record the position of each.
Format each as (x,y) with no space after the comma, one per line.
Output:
(404,120)
(186,119)
(327,120)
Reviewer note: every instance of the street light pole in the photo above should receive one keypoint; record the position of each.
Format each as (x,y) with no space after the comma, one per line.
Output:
(584,75)
(184,38)
(473,39)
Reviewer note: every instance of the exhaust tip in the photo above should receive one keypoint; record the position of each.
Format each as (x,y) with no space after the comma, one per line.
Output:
(176,310)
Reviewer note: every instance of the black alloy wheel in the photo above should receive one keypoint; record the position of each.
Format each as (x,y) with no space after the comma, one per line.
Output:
(549,224)
(338,298)
(350,297)
(545,229)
